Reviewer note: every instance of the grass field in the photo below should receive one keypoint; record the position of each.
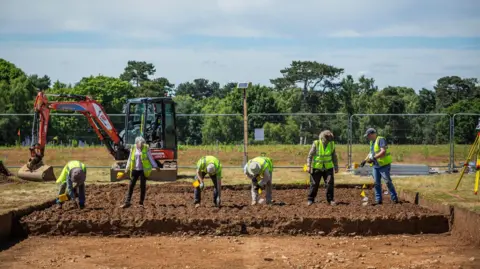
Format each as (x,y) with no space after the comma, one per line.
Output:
(232,155)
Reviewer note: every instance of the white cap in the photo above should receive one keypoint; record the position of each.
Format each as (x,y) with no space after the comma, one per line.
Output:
(211,169)
(254,168)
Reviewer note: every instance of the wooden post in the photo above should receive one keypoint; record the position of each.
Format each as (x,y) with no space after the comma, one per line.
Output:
(244,86)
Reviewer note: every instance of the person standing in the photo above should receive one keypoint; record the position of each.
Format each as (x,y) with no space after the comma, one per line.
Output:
(322,162)
(380,160)
(74,172)
(139,165)
(260,171)
(211,166)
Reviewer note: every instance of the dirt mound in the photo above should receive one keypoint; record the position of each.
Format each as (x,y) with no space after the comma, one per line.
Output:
(169,209)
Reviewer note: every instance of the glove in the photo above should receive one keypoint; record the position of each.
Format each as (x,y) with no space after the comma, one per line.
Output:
(362,164)
(201,186)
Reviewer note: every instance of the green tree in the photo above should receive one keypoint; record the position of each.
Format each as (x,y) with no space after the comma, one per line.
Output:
(137,72)
(452,89)
(16,96)
(200,89)
(157,87)
(41,83)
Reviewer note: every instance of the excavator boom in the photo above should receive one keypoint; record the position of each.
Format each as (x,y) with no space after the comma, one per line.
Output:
(35,169)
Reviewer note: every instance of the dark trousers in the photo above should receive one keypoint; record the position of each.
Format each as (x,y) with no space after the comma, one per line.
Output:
(143,186)
(315,178)
(216,191)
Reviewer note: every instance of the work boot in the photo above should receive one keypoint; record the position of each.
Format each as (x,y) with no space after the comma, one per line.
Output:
(254,202)
(332,203)
(197,205)
(125,205)
(309,203)
(377,203)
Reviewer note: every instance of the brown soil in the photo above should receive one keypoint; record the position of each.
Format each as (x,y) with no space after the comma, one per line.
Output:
(421,251)
(169,209)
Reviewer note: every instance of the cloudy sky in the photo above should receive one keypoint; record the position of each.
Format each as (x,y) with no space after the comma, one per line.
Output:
(403,42)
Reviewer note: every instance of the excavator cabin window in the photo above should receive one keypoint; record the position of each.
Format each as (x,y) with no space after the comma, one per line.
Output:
(155,121)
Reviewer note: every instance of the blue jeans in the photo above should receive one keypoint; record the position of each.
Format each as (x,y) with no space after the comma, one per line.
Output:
(379,173)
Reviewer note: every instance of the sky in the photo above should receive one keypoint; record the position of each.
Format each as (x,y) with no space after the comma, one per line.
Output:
(398,43)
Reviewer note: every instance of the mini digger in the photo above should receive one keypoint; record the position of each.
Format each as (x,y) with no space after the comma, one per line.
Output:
(153,118)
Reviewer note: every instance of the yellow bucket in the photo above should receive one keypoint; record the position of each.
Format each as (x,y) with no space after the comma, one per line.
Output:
(196,183)
(63,197)
(355,165)
(120,175)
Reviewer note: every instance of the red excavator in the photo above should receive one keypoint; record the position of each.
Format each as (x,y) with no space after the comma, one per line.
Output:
(152,118)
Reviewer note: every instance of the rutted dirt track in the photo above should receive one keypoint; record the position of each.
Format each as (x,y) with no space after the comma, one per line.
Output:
(169,209)
(420,251)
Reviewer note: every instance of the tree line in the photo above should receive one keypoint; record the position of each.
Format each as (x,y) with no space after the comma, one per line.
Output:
(303,87)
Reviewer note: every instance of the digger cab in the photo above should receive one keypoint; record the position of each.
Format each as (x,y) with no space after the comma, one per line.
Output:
(153,119)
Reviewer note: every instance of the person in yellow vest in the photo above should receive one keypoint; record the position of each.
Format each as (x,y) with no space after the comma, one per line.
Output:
(380,160)
(139,165)
(322,162)
(260,171)
(211,166)
(74,172)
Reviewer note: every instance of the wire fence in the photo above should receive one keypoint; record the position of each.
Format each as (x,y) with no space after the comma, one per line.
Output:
(437,140)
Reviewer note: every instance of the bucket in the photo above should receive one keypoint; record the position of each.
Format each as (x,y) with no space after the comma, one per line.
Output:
(63,197)
(355,165)
(196,183)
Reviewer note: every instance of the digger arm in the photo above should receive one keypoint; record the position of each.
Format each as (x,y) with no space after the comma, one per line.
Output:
(92,110)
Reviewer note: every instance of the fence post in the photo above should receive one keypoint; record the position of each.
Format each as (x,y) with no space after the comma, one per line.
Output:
(451,164)
(350,141)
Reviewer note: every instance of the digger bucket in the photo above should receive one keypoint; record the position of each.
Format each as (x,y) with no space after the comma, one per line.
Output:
(4,170)
(42,173)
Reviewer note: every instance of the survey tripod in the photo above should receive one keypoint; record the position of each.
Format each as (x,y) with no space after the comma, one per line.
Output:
(474,151)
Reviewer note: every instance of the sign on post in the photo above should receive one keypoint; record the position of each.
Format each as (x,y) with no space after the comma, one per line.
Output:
(259,134)
(242,85)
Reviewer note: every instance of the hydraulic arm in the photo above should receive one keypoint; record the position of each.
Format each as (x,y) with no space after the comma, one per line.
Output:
(96,116)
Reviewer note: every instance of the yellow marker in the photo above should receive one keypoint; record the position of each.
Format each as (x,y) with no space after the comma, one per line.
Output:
(477,179)
(196,183)
(63,197)
(364,186)
(259,191)
(120,175)
(363,194)
(305,168)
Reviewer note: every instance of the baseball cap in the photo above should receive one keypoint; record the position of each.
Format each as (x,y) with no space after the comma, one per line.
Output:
(370,131)
(77,175)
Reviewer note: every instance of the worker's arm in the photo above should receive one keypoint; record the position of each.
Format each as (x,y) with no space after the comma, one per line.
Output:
(266,178)
(311,153)
(335,160)
(127,167)
(383,145)
(200,167)
(152,161)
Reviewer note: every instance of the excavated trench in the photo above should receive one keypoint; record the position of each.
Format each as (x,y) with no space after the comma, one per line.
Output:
(169,209)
